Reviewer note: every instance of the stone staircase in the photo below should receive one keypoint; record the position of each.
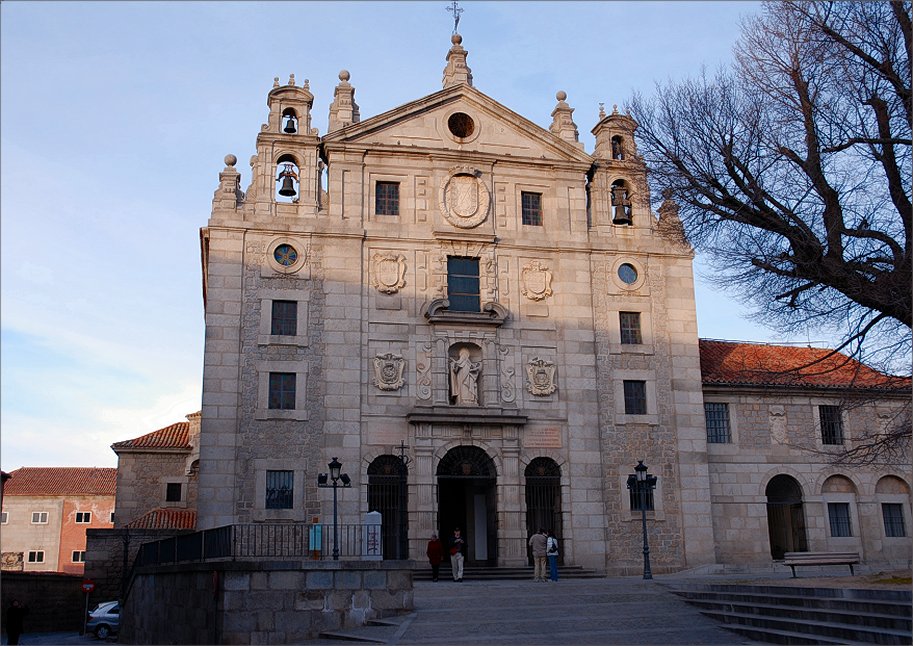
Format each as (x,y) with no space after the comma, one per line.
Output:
(805,615)
(504,573)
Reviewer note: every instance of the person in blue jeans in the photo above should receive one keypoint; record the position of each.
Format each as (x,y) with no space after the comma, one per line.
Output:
(551,551)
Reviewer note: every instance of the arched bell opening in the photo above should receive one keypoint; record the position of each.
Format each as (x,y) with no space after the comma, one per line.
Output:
(785,516)
(543,501)
(621,203)
(467,498)
(618,147)
(287,179)
(388,494)
(289,121)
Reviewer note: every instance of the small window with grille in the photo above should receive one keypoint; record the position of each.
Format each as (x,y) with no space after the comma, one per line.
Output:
(641,500)
(894,527)
(630,328)
(531,208)
(280,487)
(284,318)
(831,424)
(635,397)
(386,198)
(282,390)
(716,416)
(838,514)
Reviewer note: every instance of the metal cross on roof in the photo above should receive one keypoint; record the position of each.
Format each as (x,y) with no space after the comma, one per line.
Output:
(456,10)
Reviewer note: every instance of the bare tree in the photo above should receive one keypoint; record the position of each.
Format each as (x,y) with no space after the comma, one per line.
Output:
(793,170)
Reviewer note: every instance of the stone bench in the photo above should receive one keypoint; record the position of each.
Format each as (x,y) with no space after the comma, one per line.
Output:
(795,559)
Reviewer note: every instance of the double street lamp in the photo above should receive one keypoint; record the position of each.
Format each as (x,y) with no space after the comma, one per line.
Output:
(640,483)
(336,477)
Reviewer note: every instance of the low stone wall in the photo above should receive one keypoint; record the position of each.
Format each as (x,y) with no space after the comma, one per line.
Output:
(253,602)
(55,601)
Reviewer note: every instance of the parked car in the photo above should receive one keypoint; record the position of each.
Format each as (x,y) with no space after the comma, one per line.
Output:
(104,620)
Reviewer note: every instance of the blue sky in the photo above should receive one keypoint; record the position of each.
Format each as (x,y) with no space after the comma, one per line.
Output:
(115,118)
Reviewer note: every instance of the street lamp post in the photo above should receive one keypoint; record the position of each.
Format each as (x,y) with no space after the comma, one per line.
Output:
(640,482)
(336,477)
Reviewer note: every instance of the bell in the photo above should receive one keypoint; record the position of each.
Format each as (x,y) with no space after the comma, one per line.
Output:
(290,127)
(288,187)
(622,216)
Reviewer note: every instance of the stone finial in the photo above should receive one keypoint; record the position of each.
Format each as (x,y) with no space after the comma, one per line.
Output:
(230,160)
(601,111)
(343,110)
(228,196)
(291,80)
(562,120)
(614,108)
(275,81)
(457,70)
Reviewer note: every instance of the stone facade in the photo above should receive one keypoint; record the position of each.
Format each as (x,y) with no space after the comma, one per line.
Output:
(464,285)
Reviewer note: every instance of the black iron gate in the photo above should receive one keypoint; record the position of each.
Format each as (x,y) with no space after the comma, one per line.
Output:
(543,501)
(387,493)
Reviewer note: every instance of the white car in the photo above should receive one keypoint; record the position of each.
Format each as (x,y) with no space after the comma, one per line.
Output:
(104,620)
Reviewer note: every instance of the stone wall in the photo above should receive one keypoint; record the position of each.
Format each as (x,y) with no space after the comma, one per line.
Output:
(260,602)
(55,601)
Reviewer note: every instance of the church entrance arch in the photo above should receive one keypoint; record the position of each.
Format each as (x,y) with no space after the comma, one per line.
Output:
(543,500)
(467,498)
(387,493)
(785,517)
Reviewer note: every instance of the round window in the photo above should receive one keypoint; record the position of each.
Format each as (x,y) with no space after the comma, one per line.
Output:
(627,273)
(286,255)
(461,125)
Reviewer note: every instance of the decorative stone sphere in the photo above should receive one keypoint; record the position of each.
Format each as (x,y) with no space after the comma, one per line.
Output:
(561,95)
(230,160)
(456,39)
(344,75)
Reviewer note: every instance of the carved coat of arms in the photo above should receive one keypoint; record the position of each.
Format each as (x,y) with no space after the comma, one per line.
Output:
(540,377)
(388,371)
(389,275)
(536,281)
(464,198)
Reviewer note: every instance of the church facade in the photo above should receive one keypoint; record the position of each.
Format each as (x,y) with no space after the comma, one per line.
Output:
(489,328)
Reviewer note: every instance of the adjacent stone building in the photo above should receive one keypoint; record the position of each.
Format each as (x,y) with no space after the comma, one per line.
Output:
(488,326)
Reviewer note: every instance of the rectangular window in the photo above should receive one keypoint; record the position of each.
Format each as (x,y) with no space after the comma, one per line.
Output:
(36,556)
(838,514)
(716,417)
(386,198)
(282,390)
(83,517)
(285,318)
(4,518)
(637,498)
(893,520)
(635,397)
(39,518)
(629,323)
(280,486)
(173,492)
(531,208)
(112,518)
(831,424)
(79,556)
(463,284)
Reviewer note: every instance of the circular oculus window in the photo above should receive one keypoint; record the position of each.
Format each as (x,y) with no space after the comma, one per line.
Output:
(461,125)
(627,273)
(286,255)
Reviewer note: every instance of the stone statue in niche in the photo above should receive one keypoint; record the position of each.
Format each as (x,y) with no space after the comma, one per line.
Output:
(540,377)
(388,371)
(464,379)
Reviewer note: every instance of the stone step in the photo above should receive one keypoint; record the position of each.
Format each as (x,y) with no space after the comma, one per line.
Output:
(506,573)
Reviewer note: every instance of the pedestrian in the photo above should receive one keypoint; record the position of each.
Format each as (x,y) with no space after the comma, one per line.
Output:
(537,543)
(435,554)
(14,617)
(551,551)
(457,552)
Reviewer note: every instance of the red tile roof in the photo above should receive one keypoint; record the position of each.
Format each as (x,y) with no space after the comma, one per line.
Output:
(166,519)
(739,363)
(61,481)
(176,436)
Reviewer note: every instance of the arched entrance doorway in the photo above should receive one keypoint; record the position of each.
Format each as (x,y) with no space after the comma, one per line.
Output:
(387,493)
(543,500)
(467,498)
(785,519)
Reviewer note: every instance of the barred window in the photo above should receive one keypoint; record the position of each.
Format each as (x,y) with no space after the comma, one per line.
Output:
(630,328)
(282,390)
(637,497)
(285,318)
(280,486)
(531,208)
(831,424)
(463,284)
(716,417)
(386,198)
(635,397)
(838,514)
(893,520)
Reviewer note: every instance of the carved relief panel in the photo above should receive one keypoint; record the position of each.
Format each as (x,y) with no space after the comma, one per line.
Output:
(464,198)
(541,377)
(388,371)
(388,272)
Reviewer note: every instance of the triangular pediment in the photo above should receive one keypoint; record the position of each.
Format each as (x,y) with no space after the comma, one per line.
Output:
(425,124)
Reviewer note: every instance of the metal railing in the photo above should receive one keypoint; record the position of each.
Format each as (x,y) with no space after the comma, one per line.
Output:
(265,540)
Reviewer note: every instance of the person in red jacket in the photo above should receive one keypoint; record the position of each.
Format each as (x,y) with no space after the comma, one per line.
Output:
(435,554)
